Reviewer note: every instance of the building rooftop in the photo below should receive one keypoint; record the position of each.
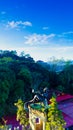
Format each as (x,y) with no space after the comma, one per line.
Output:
(66,106)
(63,97)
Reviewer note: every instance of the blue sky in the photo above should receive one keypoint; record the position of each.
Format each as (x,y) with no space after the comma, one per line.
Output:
(41,28)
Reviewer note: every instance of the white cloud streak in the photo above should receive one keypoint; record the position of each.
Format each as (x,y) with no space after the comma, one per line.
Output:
(16,24)
(65,33)
(47,40)
(27,23)
(45,28)
(38,39)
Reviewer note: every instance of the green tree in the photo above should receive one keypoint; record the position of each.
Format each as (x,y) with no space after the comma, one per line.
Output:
(36,76)
(7,80)
(4,89)
(66,77)
(25,75)
(22,54)
(60,88)
(19,89)
(21,113)
(6,59)
(55,119)
(53,79)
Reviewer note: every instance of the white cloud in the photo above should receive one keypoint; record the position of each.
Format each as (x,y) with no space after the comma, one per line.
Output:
(66,34)
(16,24)
(52,35)
(38,39)
(27,23)
(70,32)
(45,28)
(12,24)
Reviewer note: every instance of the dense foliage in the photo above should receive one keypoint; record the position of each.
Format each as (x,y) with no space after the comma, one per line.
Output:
(20,74)
(55,119)
(21,113)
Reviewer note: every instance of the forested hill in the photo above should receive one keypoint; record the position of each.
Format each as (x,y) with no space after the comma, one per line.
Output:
(20,74)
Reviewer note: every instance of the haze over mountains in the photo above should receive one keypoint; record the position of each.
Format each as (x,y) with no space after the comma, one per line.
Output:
(55,64)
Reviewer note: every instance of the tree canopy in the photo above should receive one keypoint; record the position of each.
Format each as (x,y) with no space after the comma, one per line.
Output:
(55,119)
